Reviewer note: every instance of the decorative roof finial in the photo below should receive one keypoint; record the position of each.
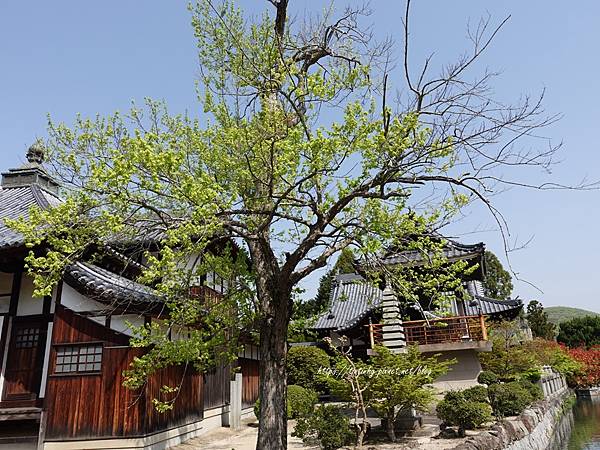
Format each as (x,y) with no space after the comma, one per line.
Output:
(35,154)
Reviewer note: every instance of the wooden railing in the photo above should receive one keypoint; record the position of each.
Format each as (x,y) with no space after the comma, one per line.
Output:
(437,331)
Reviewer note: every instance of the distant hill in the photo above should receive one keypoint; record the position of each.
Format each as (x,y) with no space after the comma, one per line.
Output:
(558,314)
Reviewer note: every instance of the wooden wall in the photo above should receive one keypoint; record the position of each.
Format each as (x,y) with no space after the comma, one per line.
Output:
(97,405)
(216,387)
(250,381)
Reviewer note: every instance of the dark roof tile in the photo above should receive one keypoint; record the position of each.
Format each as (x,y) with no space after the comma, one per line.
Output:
(16,202)
(106,286)
(352,298)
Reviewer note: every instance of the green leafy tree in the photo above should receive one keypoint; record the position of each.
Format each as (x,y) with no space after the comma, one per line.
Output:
(537,319)
(402,381)
(349,380)
(510,358)
(581,331)
(296,153)
(551,353)
(321,301)
(498,282)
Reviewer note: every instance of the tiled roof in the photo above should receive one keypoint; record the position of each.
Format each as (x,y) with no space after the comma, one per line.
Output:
(490,306)
(105,286)
(453,251)
(352,298)
(24,188)
(16,202)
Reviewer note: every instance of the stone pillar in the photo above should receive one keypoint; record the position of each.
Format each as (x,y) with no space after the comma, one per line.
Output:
(235,402)
(393,333)
(542,384)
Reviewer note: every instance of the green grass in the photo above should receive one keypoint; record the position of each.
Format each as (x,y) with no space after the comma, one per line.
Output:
(558,314)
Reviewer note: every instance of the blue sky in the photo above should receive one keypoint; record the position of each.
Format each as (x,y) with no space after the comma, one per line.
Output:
(68,57)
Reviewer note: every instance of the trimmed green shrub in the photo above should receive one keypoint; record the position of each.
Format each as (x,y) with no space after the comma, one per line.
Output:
(457,409)
(509,399)
(257,408)
(476,394)
(327,425)
(532,375)
(487,377)
(300,402)
(303,364)
(535,390)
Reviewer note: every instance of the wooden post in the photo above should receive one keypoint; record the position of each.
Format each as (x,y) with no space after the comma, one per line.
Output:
(371,337)
(483,328)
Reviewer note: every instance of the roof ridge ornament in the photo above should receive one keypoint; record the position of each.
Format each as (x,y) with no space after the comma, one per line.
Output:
(36,153)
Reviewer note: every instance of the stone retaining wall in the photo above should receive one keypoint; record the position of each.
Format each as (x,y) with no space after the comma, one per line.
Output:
(532,430)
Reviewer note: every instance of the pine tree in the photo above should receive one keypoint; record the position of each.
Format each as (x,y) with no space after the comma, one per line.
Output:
(498,282)
(538,321)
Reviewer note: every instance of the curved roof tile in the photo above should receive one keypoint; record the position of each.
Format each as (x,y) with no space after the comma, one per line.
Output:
(105,286)
(352,298)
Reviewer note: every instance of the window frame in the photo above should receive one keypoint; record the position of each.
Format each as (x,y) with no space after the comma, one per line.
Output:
(78,346)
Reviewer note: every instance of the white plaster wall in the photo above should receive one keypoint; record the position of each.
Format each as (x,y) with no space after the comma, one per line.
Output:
(46,360)
(119,323)
(74,300)
(3,362)
(28,305)
(179,334)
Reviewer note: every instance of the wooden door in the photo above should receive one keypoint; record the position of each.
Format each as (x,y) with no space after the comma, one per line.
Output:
(23,374)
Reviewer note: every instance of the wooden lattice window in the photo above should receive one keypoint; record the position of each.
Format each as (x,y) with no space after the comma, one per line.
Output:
(27,337)
(78,359)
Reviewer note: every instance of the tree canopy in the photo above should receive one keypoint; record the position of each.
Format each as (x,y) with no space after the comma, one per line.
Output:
(298,152)
(580,332)
(538,321)
(320,302)
(498,281)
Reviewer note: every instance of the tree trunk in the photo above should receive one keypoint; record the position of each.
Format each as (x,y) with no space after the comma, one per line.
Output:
(391,418)
(272,429)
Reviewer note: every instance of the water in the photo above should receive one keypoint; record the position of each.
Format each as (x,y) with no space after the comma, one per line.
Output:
(580,428)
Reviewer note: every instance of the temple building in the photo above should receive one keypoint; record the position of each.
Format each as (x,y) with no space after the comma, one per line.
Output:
(366,314)
(62,357)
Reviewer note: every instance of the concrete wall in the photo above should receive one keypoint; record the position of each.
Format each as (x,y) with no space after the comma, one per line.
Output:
(461,375)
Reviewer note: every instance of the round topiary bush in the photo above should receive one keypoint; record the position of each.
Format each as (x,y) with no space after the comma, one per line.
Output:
(300,402)
(327,425)
(487,377)
(457,409)
(509,399)
(476,394)
(303,365)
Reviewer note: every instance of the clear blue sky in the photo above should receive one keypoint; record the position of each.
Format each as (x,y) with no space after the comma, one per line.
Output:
(67,57)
